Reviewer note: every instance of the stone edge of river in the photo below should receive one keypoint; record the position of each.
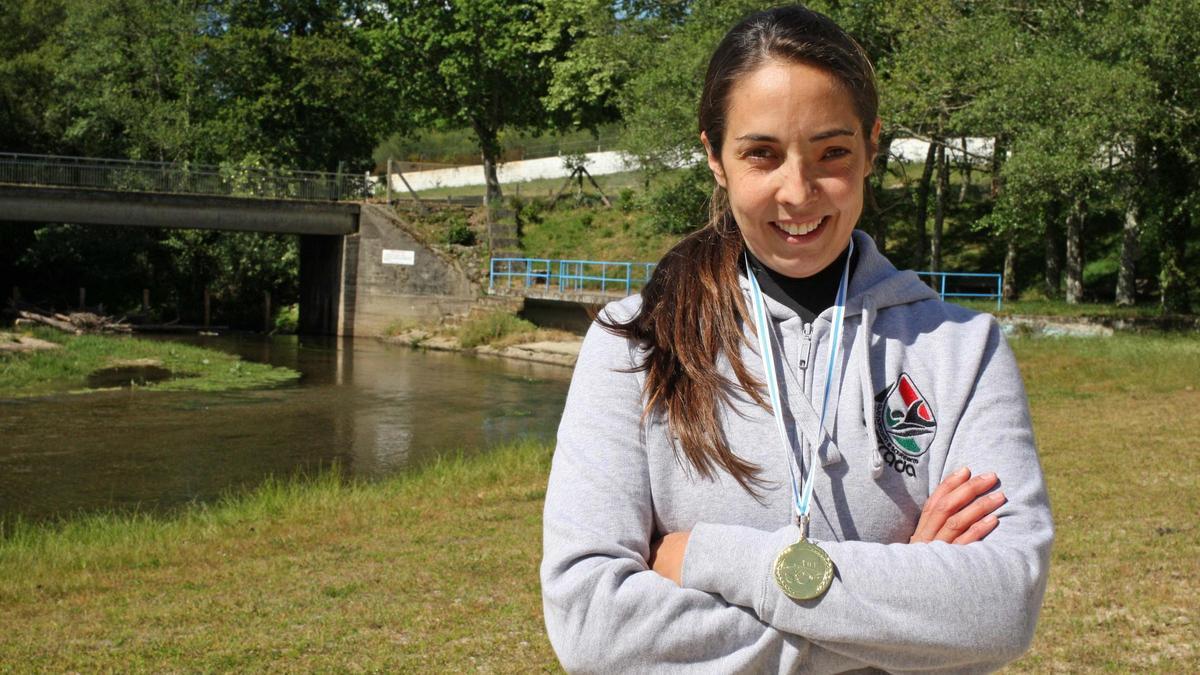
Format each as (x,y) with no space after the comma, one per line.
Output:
(552,352)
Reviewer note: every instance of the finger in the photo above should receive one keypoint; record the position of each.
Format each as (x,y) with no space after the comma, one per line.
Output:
(929,524)
(978,531)
(950,504)
(970,514)
(961,496)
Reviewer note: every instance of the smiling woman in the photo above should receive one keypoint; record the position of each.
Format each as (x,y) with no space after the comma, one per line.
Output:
(784,454)
(796,166)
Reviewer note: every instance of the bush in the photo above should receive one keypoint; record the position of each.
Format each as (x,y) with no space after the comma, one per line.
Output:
(490,328)
(626,200)
(287,320)
(681,204)
(460,233)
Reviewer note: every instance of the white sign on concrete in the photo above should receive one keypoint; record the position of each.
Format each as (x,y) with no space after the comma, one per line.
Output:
(395,257)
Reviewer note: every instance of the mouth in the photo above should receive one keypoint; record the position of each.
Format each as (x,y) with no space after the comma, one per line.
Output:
(800,230)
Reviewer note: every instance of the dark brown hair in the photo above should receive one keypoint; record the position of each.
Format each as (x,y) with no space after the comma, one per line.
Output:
(692,308)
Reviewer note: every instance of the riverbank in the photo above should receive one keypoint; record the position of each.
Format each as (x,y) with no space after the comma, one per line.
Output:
(437,570)
(44,361)
(497,334)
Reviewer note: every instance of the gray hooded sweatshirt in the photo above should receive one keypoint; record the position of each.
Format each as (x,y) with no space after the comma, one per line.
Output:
(924,388)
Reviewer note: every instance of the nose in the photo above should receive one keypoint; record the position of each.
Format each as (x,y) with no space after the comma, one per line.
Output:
(796,186)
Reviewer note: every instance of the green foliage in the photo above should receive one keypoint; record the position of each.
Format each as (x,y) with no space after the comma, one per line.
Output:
(491,327)
(461,234)
(680,204)
(483,65)
(287,320)
(292,82)
(626,200)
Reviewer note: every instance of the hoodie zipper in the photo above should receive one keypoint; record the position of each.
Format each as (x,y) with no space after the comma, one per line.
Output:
(805,352)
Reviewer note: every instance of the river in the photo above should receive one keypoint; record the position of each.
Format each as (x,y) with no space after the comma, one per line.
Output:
(370,408)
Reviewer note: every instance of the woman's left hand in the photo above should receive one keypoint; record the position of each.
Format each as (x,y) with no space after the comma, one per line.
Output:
(666,555)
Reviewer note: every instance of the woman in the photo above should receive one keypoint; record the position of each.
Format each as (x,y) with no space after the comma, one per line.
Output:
(677,500)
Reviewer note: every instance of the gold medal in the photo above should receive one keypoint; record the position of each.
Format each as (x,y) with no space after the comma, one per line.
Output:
(803,571)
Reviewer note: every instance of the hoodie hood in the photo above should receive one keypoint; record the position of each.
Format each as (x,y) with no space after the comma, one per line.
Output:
(875,285)
(874,277)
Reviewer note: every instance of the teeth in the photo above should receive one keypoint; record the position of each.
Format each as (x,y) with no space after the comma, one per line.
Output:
(798,229)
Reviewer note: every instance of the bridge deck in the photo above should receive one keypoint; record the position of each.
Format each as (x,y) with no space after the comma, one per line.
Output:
(23,203)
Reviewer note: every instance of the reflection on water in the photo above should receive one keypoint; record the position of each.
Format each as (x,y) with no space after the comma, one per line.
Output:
(373,409)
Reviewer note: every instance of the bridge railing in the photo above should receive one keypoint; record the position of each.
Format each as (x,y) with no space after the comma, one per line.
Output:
(607,277)
(179,178)
(979,285)
(568,276)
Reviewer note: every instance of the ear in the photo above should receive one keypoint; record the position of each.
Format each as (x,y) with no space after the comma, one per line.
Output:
(714,162)
(874,146)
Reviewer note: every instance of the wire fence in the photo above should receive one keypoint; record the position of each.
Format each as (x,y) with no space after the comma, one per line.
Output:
(181,178)
(567,276)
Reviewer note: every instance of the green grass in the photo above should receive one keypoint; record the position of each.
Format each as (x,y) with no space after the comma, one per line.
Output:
(491,328)
(437,570)
(596,234)
(433,572)
(1060,308)
(66,370)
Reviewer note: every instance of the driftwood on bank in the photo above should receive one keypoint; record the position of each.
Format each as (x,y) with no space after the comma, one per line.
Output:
(77,323)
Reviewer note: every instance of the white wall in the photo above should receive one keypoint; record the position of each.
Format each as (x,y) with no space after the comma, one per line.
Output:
(598,164)
(605,163)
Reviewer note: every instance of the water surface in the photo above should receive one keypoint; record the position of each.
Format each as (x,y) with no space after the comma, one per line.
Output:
(373,409)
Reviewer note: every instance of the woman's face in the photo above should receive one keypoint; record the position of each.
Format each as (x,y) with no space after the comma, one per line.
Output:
(793,162)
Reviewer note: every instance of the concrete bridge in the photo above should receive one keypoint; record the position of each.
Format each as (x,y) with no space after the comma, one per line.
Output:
(361,265)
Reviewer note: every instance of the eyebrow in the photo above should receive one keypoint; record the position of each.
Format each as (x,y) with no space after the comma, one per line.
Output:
(766,138)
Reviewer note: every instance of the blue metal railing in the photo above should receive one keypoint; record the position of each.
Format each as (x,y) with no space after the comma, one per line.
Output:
(582,276)
(938,280)
(569,276)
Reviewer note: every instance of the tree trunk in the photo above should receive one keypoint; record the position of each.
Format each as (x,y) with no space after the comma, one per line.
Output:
(1010,267)
(939,209)
(1131,233)
(1010,248)
(1075,253)
(875,182)
(1176,232)
(1053,272)
(999,150)
(489,147)
(923,199)
(966,172)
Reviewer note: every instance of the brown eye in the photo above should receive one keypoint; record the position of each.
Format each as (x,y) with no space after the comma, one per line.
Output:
(836,153)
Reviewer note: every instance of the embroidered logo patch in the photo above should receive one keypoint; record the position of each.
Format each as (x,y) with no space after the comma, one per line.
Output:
(904,423)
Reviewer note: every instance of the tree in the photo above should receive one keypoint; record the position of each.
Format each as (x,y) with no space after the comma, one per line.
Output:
(29,56)
(126,85)
(291,82)
(482,64)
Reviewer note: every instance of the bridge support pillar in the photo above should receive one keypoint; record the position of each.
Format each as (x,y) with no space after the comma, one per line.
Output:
(320,284)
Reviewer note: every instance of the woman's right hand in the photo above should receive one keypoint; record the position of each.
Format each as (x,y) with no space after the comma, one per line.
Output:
(960,510)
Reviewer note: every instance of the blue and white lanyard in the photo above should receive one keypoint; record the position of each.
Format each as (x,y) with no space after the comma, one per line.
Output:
(801,504)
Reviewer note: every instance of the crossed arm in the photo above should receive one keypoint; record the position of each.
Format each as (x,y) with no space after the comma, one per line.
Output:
(959,511)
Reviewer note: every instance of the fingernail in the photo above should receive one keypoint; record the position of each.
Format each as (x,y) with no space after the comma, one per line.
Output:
(965,471)
(999,497)
(991,520)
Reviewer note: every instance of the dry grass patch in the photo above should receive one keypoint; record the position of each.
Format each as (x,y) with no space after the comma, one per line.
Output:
(1116,421)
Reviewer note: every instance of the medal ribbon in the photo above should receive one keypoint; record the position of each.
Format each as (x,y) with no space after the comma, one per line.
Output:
(800,504)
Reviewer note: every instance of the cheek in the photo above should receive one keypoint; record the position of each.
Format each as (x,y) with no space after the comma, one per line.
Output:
(846,191)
